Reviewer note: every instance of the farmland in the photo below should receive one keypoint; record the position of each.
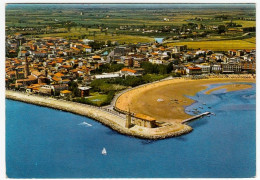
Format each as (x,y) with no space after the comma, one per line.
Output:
(222,45)
(99,36)
(126,24)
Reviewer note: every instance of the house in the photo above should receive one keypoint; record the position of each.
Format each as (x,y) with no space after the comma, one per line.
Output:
(193,70)
(137,62)
(96,58)
(84,91)
(129,62)
(46,90)
(87,48)
(180,48)
(66,94)
(143,120)
(130,72)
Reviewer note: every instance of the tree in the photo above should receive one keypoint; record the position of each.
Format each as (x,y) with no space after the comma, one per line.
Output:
(221,29)
(73,86)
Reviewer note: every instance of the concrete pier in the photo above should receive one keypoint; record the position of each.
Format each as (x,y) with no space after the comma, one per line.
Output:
(195,117)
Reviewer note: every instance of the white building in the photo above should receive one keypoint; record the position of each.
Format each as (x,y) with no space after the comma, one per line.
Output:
(204,68)
(216,68)
(107,75)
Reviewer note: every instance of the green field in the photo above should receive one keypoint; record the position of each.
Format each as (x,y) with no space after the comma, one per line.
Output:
(100,36)
(222,45)
(55,20)
(97,98)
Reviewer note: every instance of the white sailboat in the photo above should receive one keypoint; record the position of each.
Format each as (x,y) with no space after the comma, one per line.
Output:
(104,151)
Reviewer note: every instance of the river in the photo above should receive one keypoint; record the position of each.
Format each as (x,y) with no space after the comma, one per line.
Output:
(47,143)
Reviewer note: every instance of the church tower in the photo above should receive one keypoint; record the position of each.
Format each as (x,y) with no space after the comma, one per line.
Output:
(26,68)
(128,119)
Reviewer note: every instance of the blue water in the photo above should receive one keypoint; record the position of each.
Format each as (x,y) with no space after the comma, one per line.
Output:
(47,143)
(159,40)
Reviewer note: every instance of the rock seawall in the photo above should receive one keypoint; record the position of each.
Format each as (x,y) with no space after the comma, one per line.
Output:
(109,119)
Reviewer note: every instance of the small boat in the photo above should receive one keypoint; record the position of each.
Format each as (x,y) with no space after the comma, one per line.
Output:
(204,103)
(85,124)
(201,107)
(104,151)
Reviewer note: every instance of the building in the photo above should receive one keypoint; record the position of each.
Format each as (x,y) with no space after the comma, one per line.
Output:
(107,76)
(193,71)
(66,94)
(26,68)
(180,48)
(204,68)
(216,68)
(137,63)
(143,120)
(248,66)
(46,90)
(129,62)
(231,68)
(129,72)
(84,91)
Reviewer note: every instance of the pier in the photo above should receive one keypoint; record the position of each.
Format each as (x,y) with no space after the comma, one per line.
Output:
(195,117)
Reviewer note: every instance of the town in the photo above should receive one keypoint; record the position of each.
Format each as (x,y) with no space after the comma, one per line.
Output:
(92,72)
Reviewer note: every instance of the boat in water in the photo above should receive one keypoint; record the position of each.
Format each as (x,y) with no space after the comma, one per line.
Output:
(85,124)
(104,151)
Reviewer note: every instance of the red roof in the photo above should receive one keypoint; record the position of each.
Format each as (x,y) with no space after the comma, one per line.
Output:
(194,68)
(129,70)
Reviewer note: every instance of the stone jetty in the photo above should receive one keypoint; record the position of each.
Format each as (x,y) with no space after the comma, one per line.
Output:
(112,119)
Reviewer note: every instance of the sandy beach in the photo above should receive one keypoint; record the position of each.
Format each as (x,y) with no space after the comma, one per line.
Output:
(166,100)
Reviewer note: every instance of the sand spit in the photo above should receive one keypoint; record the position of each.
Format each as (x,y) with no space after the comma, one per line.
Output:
(106,117)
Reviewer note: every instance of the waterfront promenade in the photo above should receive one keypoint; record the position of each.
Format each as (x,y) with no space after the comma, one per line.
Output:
(110,118)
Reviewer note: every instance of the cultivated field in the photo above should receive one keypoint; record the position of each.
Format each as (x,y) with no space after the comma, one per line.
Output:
(222,45)
(100,36)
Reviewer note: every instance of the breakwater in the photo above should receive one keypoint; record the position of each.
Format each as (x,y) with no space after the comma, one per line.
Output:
(107,117)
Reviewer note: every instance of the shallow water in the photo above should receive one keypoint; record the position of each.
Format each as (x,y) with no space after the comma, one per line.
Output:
(47,143)
(159,40)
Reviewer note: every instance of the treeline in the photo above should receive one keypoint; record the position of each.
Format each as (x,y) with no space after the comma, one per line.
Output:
(107,85)
(150,68)
(107,68)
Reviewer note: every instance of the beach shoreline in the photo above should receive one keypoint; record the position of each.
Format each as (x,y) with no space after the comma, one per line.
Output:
(163,99)
(115,120)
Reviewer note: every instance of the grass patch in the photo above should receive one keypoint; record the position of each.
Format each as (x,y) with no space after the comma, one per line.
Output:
(97,98)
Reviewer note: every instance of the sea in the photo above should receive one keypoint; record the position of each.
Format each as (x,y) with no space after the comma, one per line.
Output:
(47,143)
